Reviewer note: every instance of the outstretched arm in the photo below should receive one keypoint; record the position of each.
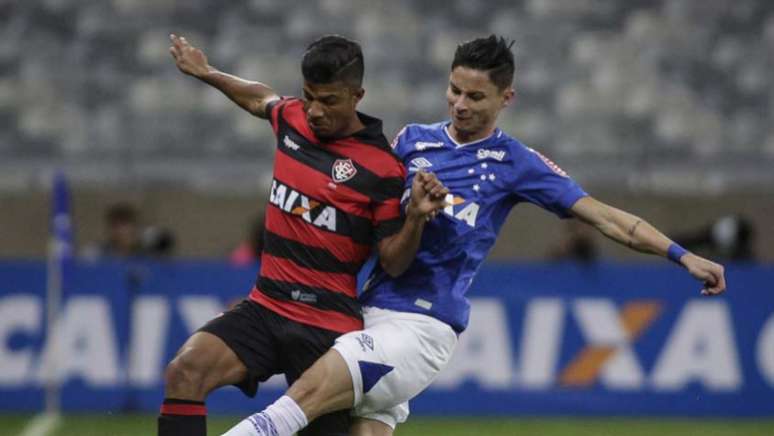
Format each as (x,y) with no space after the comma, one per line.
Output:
(637,234)
(396,252)
(250,96)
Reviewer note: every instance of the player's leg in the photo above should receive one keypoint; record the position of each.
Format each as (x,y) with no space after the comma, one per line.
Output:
(369,427)
(203,363)
(325,387)
(401,354)
(317,388)
(234,348)
(388,363)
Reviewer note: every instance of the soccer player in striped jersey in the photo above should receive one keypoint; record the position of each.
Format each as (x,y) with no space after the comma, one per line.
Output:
(335,198)
(412,321)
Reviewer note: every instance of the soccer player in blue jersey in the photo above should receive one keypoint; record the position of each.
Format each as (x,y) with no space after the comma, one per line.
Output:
(412,321)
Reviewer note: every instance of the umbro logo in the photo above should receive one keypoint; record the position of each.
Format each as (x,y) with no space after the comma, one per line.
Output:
(419,162)
(366,342)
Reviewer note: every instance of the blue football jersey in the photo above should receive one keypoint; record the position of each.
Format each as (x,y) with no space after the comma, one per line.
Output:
(486,178)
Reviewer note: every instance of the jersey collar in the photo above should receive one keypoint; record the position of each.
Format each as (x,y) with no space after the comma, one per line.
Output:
(495,133)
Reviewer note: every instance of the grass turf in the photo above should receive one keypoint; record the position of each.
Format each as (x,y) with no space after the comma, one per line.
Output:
(134,425)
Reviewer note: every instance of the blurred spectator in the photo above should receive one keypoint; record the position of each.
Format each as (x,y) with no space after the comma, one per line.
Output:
(729,237)
(576,244)
(675,81)
(157,241)
(249,250)
(125,237)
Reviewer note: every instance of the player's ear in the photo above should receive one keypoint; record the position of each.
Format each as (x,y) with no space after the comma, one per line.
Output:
(357,94)
(509,95)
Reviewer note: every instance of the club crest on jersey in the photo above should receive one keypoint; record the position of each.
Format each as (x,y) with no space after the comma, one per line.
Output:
(343,170)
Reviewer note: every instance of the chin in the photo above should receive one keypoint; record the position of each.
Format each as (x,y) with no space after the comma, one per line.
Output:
(465,130)
(321,133)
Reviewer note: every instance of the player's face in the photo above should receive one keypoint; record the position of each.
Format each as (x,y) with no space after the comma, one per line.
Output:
(330,108)
(474,102)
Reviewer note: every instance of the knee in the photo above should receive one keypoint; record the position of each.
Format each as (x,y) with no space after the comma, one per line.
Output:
(184,376)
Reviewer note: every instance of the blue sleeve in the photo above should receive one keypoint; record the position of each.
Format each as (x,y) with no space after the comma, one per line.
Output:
(542,183)
(399,143)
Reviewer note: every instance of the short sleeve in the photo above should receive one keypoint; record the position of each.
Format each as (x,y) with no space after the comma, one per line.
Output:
(542,182)
(398,144)
(386,209)
(273,109)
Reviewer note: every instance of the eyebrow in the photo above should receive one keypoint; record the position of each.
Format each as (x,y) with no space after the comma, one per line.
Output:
(467,92)
(320,96)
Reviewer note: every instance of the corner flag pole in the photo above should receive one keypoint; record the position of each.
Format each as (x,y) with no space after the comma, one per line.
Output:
(59,253)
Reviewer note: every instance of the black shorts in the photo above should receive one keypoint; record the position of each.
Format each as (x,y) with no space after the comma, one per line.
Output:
(269,344)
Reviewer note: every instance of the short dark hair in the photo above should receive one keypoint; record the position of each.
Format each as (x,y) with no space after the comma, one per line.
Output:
(490,54)
(333,58)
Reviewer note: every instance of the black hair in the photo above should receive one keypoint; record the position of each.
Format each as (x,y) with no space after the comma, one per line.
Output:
(333,58)
(490,54)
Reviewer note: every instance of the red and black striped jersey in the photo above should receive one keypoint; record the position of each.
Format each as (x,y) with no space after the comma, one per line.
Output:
(330,202)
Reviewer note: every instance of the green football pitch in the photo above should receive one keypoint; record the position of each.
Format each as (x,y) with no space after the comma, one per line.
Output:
(134,425)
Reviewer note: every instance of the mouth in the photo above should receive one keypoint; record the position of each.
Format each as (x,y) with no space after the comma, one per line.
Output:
(316,125)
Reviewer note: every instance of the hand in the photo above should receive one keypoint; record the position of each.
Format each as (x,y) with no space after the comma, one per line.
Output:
(189,59)
(710,273)
(428,195)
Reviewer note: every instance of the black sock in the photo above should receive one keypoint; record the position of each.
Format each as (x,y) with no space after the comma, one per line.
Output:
(182,418)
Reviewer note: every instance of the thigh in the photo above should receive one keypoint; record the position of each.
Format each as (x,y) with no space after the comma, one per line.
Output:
(332,424)
(393,360)
(380,422)
(249,332)
(369,427)
(205,362)
(301,346)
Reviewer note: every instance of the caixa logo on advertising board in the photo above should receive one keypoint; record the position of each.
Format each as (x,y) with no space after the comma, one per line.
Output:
(700,347)
(591,343)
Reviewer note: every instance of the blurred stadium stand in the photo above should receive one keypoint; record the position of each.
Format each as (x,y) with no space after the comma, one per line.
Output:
(657,94)
(660,97)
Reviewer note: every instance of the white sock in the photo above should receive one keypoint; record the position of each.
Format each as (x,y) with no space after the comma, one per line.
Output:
(283,418)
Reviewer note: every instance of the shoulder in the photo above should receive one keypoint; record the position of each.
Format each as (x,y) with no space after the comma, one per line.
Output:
(290,109)
(418,136)
(284,103)
(529,160)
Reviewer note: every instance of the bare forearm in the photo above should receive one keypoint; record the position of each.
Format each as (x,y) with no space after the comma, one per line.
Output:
(397,253)
(249,95)
(635,233)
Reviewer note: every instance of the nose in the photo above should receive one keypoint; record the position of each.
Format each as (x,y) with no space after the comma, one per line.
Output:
(314,111)
(461,105)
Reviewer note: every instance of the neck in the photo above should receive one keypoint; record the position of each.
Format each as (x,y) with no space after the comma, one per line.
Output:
(466,137)
(354,125)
